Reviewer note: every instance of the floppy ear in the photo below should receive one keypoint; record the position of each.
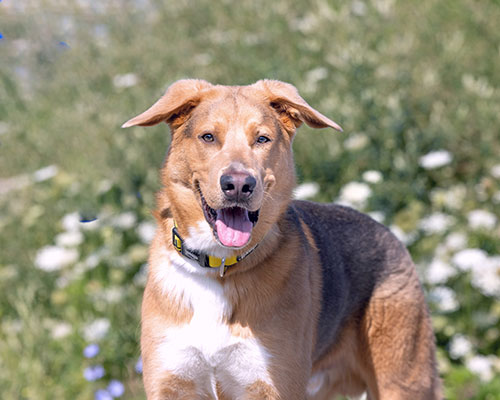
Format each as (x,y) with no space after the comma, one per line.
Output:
(293,109)
(174,106)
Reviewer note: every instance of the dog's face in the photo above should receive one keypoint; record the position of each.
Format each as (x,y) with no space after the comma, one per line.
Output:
(229,171)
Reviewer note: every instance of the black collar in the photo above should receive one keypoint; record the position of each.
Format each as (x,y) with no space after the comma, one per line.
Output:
(203,259)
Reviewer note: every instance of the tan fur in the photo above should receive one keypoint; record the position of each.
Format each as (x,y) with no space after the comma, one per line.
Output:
(275,292)
(174,388)
(261,391)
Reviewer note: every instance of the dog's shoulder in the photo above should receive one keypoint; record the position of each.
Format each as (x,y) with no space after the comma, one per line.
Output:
(356,254)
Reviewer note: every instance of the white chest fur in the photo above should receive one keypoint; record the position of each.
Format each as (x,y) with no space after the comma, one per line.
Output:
(205,351)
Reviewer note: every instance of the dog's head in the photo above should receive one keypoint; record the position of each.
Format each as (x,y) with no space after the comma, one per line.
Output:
(229,171)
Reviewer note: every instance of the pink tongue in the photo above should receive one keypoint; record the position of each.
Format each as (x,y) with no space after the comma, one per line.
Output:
(233,226)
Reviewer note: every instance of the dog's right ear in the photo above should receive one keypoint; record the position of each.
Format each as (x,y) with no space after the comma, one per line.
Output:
(174,106)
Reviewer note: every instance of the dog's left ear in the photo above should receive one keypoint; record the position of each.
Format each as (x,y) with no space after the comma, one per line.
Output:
(174,106)
(292,108)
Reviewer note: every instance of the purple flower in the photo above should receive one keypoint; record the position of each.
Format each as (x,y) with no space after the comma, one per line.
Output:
(94,373)
(91,350)
(102,394)
(116,388)
(138,366)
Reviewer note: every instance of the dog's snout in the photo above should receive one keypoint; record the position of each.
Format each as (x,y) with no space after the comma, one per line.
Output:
(237,186)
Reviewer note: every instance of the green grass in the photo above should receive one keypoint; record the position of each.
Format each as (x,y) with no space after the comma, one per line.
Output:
(406,78)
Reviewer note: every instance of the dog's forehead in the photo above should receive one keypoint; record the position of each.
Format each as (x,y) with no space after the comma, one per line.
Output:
(235,104)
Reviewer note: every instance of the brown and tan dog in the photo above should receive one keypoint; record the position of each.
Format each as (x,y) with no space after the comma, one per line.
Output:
(251,295)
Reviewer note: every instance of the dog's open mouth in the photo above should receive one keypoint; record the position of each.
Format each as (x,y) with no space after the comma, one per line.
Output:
(232,226)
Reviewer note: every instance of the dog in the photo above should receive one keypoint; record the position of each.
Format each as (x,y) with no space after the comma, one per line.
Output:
(253,295)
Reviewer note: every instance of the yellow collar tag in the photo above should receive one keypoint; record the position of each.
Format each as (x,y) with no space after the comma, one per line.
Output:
(215,262)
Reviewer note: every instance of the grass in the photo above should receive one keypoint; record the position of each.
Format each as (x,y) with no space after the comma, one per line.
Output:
(403,79)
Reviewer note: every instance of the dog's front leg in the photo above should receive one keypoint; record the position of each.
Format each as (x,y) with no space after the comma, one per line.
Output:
(170,387)
(261,391)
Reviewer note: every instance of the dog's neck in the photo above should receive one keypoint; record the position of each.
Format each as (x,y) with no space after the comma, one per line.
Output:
(203,259)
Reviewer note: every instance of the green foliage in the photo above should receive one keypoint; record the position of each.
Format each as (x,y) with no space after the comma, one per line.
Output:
(404,79)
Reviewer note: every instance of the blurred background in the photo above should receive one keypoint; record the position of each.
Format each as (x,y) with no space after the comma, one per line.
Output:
(415,85)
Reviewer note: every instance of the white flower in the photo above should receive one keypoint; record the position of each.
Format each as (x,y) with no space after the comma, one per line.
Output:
(61,330)
(104,186)
(495,171)
(306,190)
(439,272)
(146,231)
(435,159)
(478,85)
(62,282)
(460,346)
(312,79)
(4,128)
(378,216)
(71,222)
(45,173)
(141,276)
(113,295)
(406,238)
(496,198)
(486,277)
(205,58)
(372,176)
(355,194)
(468,259)
(91,225)
(12,326)
(69,239)
(125,220)
(444,298)
(53,258)
(305,24)
(358,8)
(92,261)
(481,366)
(125,80)
(96,330)
(436,223)
(481,219)
(356,142)
(456,241)
(315,75)
(453,197)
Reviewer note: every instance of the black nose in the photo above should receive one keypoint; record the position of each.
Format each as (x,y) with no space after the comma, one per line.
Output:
(237,186)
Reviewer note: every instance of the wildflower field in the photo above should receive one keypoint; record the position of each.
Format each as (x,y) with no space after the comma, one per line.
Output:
(415,85)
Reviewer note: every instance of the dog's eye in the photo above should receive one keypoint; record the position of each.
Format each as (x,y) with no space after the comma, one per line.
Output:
(263,139)
(207,137)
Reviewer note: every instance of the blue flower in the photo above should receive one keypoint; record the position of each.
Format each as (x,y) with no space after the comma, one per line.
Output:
(91,350)
(94,373)
(102,394)
(116,388)
(86,219)
(138,366)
